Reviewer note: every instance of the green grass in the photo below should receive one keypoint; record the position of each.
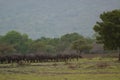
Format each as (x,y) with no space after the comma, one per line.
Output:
(84,69)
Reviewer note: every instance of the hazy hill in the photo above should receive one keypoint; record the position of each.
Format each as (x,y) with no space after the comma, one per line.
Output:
(52,18)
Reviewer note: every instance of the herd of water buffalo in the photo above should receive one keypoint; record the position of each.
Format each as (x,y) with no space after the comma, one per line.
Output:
(35,58)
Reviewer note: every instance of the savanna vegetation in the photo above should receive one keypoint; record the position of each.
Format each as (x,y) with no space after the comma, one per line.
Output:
(97,68)
(14,42)
(108,30)
(61,58)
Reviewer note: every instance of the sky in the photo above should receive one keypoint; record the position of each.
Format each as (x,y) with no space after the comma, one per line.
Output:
(52,18)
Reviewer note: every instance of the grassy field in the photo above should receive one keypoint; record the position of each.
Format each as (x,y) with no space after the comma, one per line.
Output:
(84,69)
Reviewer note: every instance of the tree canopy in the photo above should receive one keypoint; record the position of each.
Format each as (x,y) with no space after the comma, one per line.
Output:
(81,45)
(108,30)
(15,42)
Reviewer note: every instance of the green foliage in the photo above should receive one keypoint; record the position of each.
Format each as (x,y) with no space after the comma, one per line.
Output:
(12,37)
(37,47)
(23,45)
(108,30)
(19,42)
(50,49)
(67,39)
(71,37)
(6,48)
(81,45)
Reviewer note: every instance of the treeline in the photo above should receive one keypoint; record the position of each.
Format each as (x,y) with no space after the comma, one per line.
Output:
(14,42)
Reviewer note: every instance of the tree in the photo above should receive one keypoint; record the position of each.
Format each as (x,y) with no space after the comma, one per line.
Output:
(67,39)
(24,45)
(37,47)
(17,40)
(80,46)
(108,30)
(12,37)
(50,44)
(71,37)
(6,48)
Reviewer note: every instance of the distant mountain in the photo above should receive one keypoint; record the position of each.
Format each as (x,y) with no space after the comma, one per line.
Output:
(52,18)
